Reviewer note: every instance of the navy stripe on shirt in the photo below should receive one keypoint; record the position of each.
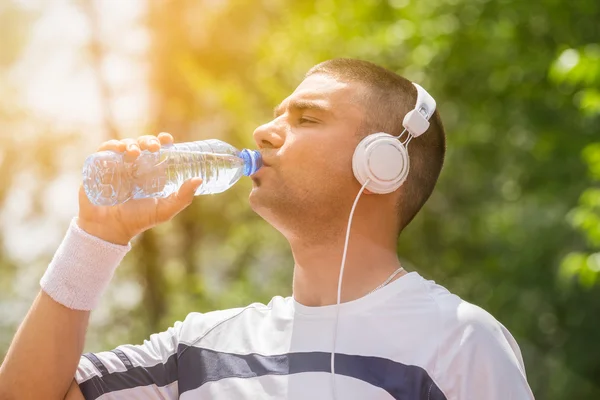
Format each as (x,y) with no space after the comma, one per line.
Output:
(124,359)
(194,366)
(159,375)
(97,363)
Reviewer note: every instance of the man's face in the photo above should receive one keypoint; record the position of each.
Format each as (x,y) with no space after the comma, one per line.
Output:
(307,152)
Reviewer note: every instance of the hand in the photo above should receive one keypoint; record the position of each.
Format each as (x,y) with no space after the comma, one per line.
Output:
(120,223)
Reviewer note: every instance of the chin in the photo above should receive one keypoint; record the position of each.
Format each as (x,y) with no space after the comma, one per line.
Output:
(264,204)
(257,200)
(252,197)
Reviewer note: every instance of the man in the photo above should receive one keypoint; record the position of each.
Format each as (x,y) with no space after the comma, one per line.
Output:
(408,339)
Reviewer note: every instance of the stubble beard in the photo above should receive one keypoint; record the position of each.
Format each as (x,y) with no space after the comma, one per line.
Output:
(301,215)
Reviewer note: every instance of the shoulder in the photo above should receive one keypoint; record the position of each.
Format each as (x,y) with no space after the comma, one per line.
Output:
(460,316)
(477,357)
(470,331)
(474,330)
(197,325)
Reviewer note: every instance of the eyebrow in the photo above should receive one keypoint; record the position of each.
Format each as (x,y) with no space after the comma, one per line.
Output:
(300,105)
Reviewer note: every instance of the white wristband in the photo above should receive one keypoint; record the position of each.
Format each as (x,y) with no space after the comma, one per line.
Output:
(81,269)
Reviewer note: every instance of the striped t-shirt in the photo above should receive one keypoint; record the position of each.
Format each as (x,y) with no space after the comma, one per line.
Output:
(410,340)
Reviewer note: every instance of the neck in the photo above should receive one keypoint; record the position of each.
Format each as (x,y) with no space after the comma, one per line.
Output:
(370,260)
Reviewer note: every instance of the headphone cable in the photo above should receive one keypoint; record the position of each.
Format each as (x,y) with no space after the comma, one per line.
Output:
(339,288)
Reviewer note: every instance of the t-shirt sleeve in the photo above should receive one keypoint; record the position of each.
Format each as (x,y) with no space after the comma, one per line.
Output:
(147,371)
(482,360)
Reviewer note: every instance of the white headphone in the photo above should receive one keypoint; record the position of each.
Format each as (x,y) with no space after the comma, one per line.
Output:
(382,159)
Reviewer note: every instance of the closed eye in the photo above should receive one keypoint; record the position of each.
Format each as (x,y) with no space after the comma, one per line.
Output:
(303,120)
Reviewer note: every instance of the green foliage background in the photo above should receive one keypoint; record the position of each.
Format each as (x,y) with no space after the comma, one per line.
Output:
(514,224)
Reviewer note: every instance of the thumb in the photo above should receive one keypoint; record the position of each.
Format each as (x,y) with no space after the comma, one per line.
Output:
(180,199)
(188,189)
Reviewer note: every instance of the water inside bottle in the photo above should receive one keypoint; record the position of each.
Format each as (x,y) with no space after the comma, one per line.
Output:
(109,180)
(162,173)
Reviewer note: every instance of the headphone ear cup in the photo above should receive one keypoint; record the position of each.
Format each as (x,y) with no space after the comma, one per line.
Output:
(382,159)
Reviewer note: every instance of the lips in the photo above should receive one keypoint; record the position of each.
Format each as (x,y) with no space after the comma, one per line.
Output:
(268,156)
(266,160)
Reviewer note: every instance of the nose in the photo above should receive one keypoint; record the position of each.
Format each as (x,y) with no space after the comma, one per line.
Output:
(268,136)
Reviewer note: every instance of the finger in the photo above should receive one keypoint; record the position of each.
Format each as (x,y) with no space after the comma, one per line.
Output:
(184,196)
(132,151)
(179,200)
(188,189)
(129,141)
(112,145)
(148,142)
(165,138)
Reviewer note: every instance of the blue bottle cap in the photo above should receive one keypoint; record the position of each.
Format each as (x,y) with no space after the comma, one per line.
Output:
(252,161)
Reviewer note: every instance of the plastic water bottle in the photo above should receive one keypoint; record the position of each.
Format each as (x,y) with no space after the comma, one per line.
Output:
(108,179)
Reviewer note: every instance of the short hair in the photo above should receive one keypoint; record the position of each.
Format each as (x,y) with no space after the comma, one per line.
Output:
(387,98)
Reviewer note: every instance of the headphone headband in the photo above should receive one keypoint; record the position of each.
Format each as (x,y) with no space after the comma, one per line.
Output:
(416,121)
